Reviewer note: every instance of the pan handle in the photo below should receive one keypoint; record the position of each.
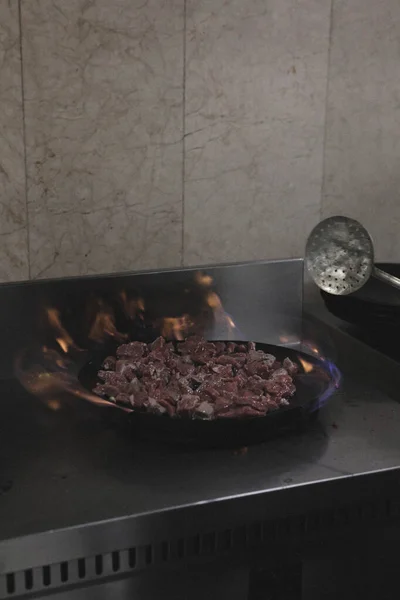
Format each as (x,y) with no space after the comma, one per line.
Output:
(387,278)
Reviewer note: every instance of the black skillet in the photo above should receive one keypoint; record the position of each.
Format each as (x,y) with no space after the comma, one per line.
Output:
(230,432)
(375,306)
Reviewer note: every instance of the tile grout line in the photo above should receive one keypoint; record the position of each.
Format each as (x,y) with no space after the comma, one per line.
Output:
(183,135)
(328,68)
(24,138)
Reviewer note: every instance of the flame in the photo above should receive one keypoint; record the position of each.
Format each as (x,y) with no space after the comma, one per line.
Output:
(289,339)
(54,405)
(104,325)
(221,317)
(49,376)
(63,338)
(213,301)
(312,348)
(230,322)
(176,328)
(325,374)
(307,366)
(63,344)
(203,279)
(132,306)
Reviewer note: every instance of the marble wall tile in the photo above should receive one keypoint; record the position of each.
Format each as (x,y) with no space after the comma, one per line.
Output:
(103,105)
(13,232)
(256,77)
(362,155)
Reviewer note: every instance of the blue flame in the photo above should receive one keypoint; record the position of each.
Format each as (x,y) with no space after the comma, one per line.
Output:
(335,378)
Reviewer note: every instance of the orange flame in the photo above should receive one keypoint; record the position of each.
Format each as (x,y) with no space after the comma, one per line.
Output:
(288,339)
(63,338)
(203,279)
(54,405)
(313,348)
(220,315)
(104,325)
(307,366)
(50,377)
(132,306)
(50,374)
(214,302)
(176,328)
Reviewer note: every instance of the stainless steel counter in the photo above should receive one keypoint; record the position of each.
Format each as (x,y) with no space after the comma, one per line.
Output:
(74,485)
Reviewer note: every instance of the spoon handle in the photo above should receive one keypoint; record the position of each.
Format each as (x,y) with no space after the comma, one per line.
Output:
(386,278)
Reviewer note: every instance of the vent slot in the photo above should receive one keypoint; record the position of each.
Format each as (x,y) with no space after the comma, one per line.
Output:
(98,564)
(148,555)
(240,536)
(132,557)
(225,540)
(115,562)
(255,533)
(46,576)
(64,571)
(165,551)
(208,543)
(28,577)
(195,545)
(10,585)
(81,568)
(268,531)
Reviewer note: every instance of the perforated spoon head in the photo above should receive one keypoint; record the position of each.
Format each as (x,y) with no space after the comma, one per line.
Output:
(340,255)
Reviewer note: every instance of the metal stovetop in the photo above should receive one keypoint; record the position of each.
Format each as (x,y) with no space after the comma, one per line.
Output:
(64,470)
(75,483)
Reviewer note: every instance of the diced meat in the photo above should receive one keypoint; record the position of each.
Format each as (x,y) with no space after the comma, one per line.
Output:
(290,366)
(140,400)
(134,386)
(109,363)
(219,347)
(158,343)
(222,404)
(187,404)
(238,412)
(165,402)
(241,348)
(131,350)
(201,357)
(205,410)
(155,406)
(197,379)
(184,368)
(127,368)
(278,374)
(230,347)
(172,392)
(184,386)
(106,390)
(224,371)
(232,359)
(123,398)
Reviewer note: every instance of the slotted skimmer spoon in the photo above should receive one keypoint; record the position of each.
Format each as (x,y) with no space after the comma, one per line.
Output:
(340,257)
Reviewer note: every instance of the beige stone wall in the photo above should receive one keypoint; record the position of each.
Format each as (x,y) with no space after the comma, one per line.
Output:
(140,134)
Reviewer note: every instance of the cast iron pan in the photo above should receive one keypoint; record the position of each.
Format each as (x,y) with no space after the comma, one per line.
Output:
(375,307)
(229,432)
